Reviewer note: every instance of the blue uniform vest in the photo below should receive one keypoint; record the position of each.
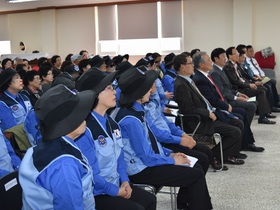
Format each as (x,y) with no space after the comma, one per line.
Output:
(34,163)
(18,111)
(108,144)
(5,158)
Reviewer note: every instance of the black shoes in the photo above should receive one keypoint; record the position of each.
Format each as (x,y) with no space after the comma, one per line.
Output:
(234,161)
(217,165)
(275,109)
(269,115)
(266,121)
(253,148)
(241,156)
(278,105)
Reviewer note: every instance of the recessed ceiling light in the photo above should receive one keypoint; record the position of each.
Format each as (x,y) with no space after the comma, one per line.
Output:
(20,1)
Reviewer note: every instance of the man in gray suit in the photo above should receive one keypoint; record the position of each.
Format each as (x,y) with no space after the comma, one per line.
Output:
(234,98)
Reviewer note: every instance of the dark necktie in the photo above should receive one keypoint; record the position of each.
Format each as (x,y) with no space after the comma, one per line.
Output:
(209,106)
(217,89)
(255,66)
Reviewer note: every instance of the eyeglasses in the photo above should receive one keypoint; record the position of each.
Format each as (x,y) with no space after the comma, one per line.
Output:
(157,61)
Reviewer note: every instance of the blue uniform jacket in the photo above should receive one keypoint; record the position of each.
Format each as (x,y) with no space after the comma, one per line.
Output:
(31,128)
(137,145)
(169,79)
(13,112)
(164,130)
(9,161)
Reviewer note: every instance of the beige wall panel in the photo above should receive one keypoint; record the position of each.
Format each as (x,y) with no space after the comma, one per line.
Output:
(75,30)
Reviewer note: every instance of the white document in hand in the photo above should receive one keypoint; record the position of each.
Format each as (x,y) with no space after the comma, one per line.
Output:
(192,159)
(252,99)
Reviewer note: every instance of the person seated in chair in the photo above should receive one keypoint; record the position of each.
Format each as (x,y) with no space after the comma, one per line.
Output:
(191,101)
(9,161)
(243,86)
(147,161)
(212,93)
(254,69)
(55,174)
(14,106)
(105,150)
(174,138)
(32,86)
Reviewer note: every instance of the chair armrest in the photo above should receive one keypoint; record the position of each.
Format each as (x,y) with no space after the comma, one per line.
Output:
(171,106)
(195,117)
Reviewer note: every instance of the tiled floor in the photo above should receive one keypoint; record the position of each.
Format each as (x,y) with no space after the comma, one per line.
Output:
(254,185)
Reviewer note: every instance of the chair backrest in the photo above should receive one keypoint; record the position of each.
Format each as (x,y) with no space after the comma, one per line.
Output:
(10,192)
(268,62)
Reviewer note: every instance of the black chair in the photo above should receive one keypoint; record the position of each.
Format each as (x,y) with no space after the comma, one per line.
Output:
(209,140)
(161,189)
(10,192)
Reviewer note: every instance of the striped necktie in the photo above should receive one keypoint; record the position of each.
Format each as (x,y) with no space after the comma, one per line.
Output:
(209,106)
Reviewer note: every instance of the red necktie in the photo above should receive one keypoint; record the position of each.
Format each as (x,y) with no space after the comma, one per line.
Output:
(217,89)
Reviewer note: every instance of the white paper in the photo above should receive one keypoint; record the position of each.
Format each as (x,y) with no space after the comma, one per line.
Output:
(252,99)
(173,103)
(174,111)
(192,159)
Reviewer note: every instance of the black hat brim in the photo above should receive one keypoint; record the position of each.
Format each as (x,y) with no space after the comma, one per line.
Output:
(8,73)
(141,90)
(107,80)
(74,119)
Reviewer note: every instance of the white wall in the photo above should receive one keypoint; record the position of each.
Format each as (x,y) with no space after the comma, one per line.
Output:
(25,27)
(75,31)
(4,28)
(266,31)
(207,24)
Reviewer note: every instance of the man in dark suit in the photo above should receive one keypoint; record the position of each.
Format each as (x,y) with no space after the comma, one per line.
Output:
(211,92)
(247,88)
(254,68)
(191,101)
(233,97)
(241,68)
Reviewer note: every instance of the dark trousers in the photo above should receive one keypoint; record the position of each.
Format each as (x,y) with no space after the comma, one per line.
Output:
(139,200)
(231,139)
(248,137)
(271,86)
(200,151)
(263,105)
(250,108)
(193,189)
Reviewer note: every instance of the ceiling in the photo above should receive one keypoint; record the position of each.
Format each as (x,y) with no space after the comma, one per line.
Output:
(5,6)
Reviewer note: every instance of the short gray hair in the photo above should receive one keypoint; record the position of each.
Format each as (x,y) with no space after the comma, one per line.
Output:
(198,58)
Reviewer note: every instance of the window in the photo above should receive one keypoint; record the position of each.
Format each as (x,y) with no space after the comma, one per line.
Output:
(139,28)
